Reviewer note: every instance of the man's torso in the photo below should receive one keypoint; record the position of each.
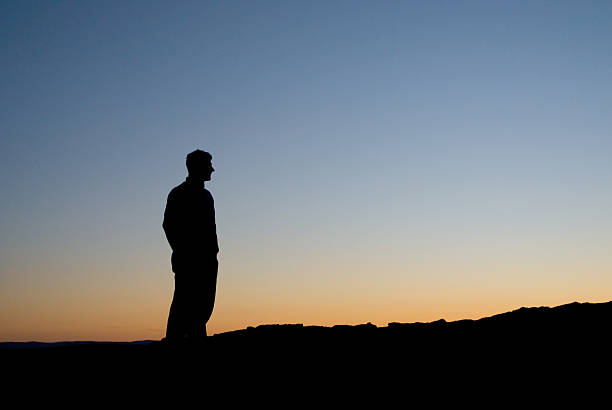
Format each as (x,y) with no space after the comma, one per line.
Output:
(190,218)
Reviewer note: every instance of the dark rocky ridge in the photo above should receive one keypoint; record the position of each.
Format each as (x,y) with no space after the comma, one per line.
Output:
(506,355)
(542,333)
(574,322)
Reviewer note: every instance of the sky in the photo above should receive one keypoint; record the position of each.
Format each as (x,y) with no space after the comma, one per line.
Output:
(389,161)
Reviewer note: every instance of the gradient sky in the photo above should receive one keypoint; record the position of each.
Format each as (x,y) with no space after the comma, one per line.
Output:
(375,161)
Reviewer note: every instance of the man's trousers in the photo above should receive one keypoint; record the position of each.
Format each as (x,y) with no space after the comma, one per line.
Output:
(193,302)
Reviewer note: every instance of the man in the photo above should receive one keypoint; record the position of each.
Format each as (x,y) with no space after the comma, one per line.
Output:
(189,224)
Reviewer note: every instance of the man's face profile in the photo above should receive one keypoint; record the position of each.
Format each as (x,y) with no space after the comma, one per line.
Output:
(208,170)
(203,170)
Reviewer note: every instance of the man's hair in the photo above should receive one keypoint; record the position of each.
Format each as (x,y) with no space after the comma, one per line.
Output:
(196,158)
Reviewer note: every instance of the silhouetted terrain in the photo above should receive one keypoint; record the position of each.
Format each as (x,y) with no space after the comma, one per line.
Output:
(533,344)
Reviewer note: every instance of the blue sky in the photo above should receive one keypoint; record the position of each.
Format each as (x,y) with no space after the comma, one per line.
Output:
(364,151)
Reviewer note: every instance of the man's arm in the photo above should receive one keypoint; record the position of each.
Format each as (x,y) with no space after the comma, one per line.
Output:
(212,242)
(170,223)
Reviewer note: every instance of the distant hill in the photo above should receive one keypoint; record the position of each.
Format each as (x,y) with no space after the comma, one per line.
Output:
(40,345)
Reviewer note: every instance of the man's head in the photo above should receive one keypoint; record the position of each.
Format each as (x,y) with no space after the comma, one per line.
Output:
(199,165)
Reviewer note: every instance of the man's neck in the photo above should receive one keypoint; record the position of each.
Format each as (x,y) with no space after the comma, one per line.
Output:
(195,181)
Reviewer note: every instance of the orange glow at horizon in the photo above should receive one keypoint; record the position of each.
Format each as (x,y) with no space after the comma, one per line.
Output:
(139,310)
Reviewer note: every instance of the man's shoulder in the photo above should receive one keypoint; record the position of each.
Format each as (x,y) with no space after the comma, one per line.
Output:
(208,195)
(177,190)
(184,190)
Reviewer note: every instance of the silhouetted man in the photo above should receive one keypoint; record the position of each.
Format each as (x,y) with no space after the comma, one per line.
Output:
(189,224)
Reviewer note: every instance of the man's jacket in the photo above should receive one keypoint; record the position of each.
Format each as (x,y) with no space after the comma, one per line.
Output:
(189,224)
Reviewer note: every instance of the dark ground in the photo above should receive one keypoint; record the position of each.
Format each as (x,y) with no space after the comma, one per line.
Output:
(518,351)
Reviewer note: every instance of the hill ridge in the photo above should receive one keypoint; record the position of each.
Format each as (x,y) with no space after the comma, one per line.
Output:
(583,314)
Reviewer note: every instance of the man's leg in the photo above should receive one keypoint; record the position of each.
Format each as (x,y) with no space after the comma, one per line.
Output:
(194,327)
(176,328)
(209,291)
(203,298)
